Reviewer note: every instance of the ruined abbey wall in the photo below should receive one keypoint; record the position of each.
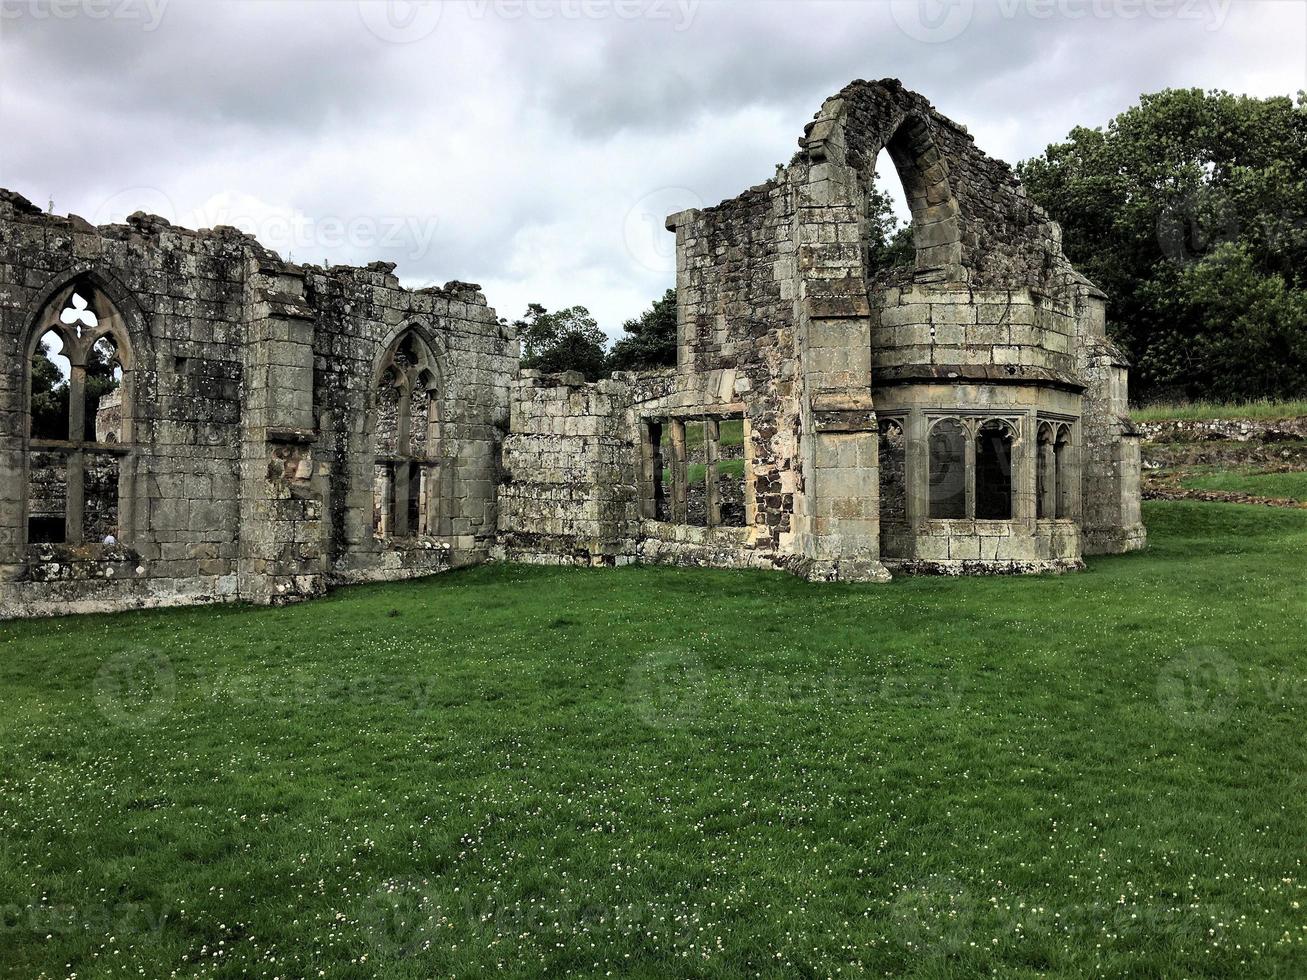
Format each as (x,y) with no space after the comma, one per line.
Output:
(280,429)
(248,469)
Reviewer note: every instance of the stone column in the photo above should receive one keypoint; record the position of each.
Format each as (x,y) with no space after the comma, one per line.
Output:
(282,548)
(712,433)
(680,501)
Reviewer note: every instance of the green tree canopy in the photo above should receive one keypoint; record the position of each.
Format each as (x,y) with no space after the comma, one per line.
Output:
(889,245)
(650,340)
(1190,211)
(566,340)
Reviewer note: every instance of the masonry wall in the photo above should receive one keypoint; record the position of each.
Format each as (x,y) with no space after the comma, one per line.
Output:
(249,471)
(569,491)
(784,322)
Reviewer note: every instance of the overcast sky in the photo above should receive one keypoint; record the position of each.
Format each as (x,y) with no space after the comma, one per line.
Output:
(535,147)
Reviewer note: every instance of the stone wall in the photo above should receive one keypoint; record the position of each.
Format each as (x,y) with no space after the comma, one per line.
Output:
(569,484)
(248,449)
(246,471)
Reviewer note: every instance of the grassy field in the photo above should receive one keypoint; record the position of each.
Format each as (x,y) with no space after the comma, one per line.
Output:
(1283,486)
(677,773)
(1220,410)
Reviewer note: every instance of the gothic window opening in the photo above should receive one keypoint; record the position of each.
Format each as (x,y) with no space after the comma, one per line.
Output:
(994,440)
(78,421)
(406,466)
(1046,483)
(1062,472)
(893,471)
(948,464)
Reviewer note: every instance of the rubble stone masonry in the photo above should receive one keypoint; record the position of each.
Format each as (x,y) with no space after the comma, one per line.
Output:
(281,429)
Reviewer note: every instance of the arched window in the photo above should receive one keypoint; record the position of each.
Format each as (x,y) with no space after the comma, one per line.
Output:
(948,481)
(892,464)
(406,466)
(1062,472)
(994,441)
(78,419)
(1046,483)
(935,239)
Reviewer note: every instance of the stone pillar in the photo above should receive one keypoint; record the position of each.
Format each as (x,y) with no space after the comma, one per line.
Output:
(842,484)
(282,548)
(680,492)
(1110,490)
(712,433)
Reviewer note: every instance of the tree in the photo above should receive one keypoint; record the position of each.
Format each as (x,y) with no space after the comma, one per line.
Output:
(567,340)
(650,340)
(889,246)
(49,399)
(1186,206)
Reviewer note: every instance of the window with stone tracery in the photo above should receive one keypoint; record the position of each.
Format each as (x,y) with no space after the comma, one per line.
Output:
(406,468)
(78,420)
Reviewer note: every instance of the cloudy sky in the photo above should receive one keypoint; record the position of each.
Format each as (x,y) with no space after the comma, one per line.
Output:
(535,147)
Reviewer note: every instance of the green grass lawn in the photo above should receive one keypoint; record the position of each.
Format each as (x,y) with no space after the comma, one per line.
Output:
(1283,486)
(518,771)
(1219,410)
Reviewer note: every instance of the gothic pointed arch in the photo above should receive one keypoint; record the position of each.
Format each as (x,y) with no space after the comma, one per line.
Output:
(405,427)
(78,476)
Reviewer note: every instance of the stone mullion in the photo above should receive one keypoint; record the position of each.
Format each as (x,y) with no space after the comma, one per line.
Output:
(916,466)
(969,468)
(680,502)
(711,435)
(75,463)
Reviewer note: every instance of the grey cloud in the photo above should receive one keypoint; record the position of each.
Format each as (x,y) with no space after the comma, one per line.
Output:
(528,140)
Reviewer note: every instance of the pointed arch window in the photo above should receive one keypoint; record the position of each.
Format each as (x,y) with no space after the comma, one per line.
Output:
(79,420)
(406,488)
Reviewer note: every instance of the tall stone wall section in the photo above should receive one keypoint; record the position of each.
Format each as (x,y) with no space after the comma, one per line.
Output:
(249,470)
(569,493)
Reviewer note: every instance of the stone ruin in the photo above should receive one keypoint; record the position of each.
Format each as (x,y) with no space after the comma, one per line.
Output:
(237,427)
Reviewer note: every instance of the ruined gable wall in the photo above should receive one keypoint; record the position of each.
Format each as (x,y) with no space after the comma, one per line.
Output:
(1006,239)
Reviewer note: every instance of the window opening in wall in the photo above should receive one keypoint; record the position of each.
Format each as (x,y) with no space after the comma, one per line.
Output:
(729,467)
(948,484)
(406,496)
(78,422)
(695,471)
(1062,472)
(994,471)
(893,463)
(51,370)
